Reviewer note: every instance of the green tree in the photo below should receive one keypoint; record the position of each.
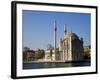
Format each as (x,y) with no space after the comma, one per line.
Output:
(24,55)
(87,52)
(39,54)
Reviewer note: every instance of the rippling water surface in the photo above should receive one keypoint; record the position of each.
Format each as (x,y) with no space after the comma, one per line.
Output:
(54,65)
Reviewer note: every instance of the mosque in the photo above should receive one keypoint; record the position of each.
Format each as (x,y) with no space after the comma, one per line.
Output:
(70,47)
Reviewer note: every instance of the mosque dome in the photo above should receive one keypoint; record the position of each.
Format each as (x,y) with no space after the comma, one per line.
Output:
(73,35)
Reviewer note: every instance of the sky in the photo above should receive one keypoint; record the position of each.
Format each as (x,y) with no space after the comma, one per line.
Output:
(38,27)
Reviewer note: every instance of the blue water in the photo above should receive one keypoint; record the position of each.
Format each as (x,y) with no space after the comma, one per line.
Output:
(54,65)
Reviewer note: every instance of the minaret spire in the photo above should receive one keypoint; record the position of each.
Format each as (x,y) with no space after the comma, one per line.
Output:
(65,31)
(55,29)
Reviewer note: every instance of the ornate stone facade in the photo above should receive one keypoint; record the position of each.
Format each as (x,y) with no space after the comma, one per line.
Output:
(71,47)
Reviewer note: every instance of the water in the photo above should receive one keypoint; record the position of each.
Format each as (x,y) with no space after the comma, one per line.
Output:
(54,65)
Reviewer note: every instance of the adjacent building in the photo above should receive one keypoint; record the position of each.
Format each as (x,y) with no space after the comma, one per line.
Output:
(28,55)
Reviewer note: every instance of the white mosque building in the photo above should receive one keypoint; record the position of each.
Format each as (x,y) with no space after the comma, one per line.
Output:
(70,47)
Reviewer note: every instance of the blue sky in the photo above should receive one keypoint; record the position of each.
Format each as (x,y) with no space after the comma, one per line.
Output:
(38,27)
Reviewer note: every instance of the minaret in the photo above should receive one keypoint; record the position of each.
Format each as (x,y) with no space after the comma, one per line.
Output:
(55,29)
(65,31)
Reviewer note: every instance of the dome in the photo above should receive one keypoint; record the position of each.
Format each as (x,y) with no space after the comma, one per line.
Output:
(73,35)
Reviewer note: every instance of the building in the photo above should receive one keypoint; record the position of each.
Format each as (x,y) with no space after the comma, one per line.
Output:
(70,47)
(50,55)
(28,55)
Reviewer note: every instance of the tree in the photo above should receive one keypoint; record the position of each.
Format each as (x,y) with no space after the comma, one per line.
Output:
(39,54)
(87,50)
(24,55)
